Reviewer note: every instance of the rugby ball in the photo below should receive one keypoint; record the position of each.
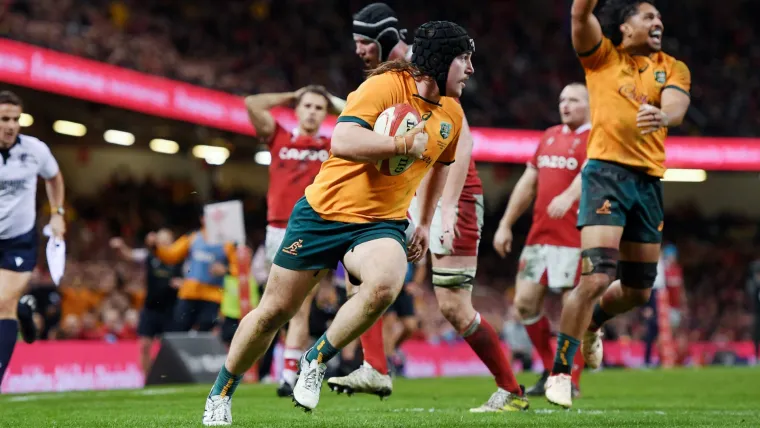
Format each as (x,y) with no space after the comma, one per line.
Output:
(396,120)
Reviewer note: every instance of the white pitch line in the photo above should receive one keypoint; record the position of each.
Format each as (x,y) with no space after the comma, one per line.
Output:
(90,394)
(163,391)
(592,412)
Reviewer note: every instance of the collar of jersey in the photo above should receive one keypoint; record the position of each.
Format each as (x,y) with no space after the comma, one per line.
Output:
(427,100)
(6,152)
(581,129)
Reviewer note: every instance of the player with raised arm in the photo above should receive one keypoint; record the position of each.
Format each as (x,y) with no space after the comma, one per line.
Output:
(23,159)
(637,92)
(296,159)
(552,253)
(355,213)
(456,232)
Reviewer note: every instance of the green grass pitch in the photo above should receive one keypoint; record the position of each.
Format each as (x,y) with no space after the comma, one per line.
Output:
(707,397)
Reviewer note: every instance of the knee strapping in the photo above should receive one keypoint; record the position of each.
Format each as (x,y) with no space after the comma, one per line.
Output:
(600,260)
(454,277)
(638,275)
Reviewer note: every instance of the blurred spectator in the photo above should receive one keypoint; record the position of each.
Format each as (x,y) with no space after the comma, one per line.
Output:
(524,56)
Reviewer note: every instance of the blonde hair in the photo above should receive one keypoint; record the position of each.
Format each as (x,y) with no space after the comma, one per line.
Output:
(398,66)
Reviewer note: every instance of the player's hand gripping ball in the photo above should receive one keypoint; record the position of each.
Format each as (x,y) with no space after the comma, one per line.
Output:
(402,121)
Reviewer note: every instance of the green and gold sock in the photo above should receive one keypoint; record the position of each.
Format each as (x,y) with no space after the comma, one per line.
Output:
(225,384)
(322,350)
(566,348)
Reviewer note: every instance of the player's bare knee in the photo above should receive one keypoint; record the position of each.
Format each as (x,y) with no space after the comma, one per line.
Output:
(449,310)
(527,307)
(383,294)
(381,291)
(272,318)
(592,287)
(301,315)
(457,313)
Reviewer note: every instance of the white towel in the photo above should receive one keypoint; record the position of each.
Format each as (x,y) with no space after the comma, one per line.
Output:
(56,255)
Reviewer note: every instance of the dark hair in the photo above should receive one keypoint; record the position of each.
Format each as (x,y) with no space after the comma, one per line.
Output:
(8,97)
(614,13)
(315,89)
(398,66)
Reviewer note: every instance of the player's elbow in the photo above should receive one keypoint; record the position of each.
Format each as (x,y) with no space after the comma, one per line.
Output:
(340,144)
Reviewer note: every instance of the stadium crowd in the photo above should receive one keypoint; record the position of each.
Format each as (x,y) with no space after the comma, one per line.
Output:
(274,46)
(100,295)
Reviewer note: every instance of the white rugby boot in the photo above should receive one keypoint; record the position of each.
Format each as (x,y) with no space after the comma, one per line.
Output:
(364,379)
(592,348)
(559,390)
(309,384)
(503,401)
(218,411)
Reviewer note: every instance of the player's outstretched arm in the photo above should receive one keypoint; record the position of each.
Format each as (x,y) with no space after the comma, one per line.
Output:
(176,252)
(137,255)
(586,30)
(261,118)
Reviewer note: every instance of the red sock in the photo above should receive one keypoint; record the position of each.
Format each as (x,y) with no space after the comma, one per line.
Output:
(485,342)
(578,364)
(291,357)
(541,335)
(372,346)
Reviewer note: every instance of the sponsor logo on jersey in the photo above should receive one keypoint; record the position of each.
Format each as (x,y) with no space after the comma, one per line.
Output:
(632,93)
(289,153)
(557,162)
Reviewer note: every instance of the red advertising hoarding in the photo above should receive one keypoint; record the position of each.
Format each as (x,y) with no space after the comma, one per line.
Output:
(46,70)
